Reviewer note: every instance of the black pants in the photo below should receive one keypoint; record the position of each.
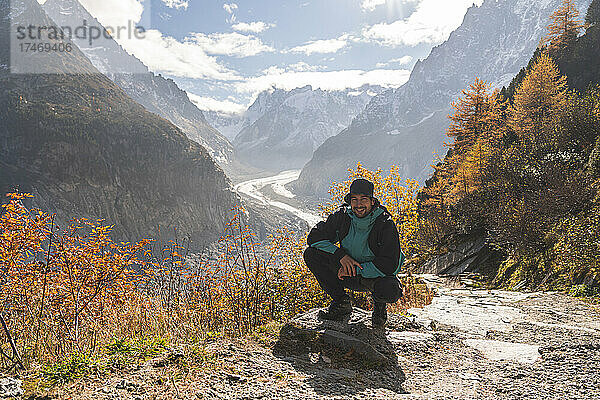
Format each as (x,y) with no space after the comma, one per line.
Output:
(324,267)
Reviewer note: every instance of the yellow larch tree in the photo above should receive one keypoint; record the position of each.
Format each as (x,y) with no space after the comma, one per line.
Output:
(539,100)
(475,118)
(471,117)
(564,27)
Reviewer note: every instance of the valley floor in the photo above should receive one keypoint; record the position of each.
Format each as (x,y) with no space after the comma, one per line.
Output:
(471,344)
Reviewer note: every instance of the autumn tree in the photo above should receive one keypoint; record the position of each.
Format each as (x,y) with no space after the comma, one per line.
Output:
(471,117)
(564,27)
(476,116)
(538,102)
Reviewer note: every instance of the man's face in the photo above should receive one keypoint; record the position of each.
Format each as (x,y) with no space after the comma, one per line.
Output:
(361,204)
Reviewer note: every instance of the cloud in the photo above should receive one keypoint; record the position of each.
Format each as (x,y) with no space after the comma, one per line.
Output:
(115,12)
(163,54)
(322,46)
(327,80)
(400,61)
(432,22)
(230,7)
(253,27)
(222,106)
(230,44)
(169,56)
(302,66)
(177,4)
(370,5)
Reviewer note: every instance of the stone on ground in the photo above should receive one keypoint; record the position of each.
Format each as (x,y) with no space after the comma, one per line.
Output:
(352,343)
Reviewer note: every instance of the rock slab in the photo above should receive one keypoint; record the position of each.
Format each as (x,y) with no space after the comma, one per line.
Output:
(352,343)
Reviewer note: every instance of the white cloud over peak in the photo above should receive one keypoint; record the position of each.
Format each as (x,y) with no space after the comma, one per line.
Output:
(327,80)
(230,44)
(322,46)
(432,22)
(115,12)
(371,5)
(176,4)
(252,27)
(169,56)
(302,66)
(222,106)
(399,61)
(402,60)
(230,8)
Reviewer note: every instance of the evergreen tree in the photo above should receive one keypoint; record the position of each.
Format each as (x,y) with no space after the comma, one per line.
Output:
(564,27)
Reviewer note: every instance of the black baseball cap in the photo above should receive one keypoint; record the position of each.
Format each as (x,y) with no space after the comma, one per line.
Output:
(360,186)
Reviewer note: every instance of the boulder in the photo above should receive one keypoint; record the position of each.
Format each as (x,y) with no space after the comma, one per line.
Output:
(352,343)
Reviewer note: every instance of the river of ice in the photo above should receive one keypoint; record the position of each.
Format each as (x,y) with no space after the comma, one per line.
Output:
(252,188)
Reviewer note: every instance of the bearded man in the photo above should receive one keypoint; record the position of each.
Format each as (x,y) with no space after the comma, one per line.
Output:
(357,248)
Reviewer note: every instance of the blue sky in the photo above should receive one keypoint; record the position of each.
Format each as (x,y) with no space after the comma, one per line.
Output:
(223,53)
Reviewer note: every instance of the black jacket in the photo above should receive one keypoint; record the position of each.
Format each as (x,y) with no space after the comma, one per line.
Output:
(383,239)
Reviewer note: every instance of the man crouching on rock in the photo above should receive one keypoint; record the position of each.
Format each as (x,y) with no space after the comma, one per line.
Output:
(367,259)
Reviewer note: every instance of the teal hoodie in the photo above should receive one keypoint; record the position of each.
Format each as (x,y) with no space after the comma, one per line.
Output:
(356,244)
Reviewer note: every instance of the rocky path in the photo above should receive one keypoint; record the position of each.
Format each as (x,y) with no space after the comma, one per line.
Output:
(466,345)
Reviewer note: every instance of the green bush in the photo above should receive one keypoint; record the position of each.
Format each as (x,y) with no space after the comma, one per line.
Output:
(69,369)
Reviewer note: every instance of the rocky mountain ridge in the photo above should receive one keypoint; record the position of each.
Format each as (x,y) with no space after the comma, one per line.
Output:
(83,148)
(406,126)
(157,94)
(282,128)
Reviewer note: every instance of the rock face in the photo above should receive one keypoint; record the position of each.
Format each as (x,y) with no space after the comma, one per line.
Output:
(85,149)
(233,123)
(406,126)
(352,343)
(468,255)
(156,93)
(294,123)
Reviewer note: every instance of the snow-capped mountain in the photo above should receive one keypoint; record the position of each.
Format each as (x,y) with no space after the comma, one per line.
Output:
(282,128)
(232,124)
(156,93)
(406,126)
(229,124)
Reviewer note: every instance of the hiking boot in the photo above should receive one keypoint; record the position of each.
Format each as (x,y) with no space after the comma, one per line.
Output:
(338,310)
(379,316)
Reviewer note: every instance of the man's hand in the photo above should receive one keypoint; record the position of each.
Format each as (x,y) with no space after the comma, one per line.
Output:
(348,268)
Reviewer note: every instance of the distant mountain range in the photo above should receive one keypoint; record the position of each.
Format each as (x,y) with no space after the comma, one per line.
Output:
(84,148)
(156,93)
(282,128)
(406,126)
